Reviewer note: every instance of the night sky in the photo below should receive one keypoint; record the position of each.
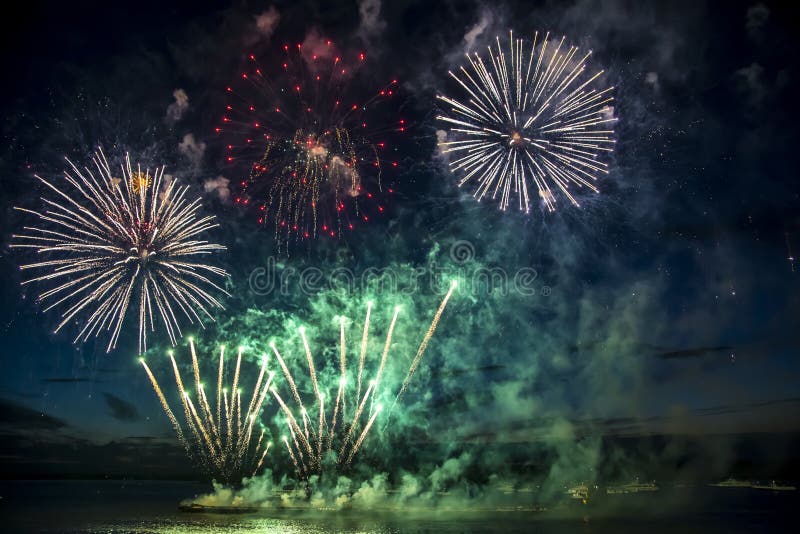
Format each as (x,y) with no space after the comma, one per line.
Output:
(667,306)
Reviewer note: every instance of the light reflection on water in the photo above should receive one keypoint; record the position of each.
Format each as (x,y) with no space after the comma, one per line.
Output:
(151,507)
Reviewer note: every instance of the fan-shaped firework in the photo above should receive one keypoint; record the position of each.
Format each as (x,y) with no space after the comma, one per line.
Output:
(529,116)
(315,440)
(222,442)
(114,238)
(310,146)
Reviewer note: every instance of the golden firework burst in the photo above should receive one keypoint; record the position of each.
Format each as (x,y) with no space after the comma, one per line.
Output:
(140,181)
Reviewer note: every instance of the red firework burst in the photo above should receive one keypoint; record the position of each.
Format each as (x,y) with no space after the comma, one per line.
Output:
(311,148)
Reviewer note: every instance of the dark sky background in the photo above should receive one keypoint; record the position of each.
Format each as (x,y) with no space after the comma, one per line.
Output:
(667,306)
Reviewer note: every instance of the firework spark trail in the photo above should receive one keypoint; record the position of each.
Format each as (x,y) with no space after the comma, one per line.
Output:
(212,452)
(288,375)
(312,373)
(386,347)
(342,379)
(424,344)
(115,242)
(356,417)
(181,392)
(342,428)
(209,419)
(257,388)
(321,398)
(293,426)
(547,127)
(360,440)
(227,414)
(299,451)
(219,384)
(261,460)
(364,339)
(260,439)
(226,455)
(256,410)
(205,409)
(291,454)
(165,405)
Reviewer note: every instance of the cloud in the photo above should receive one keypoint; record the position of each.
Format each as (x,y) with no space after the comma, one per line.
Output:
(176,110)
(751,82)
(18,417)
(66,380)
(218,185)
(651,79)
(478,29)
(315,45)
(267,21)
(193,150)
(755,20)
(692,353)
(370,14)
(120,409)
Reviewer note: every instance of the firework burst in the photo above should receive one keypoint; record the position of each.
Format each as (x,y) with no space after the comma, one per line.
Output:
(114,239)
(221,441)
(312,148)
(530,117)
(329,428)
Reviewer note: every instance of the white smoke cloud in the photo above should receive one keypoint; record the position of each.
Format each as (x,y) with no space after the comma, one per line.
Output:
(193,150)
(752,84)
(218,185)
(176,110)
(267,21)
(478,29)
(371,22)
(316,45)
(651,79)
(441,137)
(755,20)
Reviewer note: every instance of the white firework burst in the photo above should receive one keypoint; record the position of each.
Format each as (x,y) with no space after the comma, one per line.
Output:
(530,117)
(111,241)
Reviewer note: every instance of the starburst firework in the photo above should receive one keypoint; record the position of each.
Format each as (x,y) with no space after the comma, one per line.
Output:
(312,147)
(530,117)
(222,442)
(113,241)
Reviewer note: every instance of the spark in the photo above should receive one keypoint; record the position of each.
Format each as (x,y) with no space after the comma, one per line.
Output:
(529,119)
(112,244)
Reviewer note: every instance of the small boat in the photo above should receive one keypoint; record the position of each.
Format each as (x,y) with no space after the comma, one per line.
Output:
(632,487)
(201,509)
(773,486)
